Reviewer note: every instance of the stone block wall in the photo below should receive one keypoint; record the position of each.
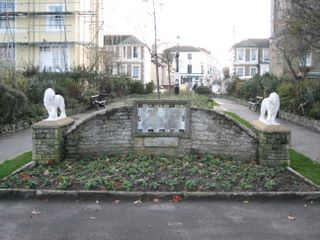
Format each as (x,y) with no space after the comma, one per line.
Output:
(274,144)
(216,132)
(48,140)
(103,134)
(111,132)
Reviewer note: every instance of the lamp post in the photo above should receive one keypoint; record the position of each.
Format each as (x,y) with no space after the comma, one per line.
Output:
(177,88)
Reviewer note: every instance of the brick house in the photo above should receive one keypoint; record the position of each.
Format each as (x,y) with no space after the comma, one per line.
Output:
(250,57)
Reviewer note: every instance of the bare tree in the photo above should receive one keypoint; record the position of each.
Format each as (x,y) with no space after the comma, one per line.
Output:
(298,34)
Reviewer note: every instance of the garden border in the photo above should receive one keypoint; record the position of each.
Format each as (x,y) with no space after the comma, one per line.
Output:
(144,196)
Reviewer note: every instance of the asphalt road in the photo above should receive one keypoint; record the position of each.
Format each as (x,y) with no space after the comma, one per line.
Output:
(194,220)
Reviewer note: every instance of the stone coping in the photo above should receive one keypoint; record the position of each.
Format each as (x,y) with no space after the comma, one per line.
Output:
(114,195)
(54,124)
(269,128)
(114,106)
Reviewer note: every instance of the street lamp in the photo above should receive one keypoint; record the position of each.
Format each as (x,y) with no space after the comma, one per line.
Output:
(177,88)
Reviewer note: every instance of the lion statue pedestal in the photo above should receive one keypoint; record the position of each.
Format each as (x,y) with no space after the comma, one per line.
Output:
(52,102)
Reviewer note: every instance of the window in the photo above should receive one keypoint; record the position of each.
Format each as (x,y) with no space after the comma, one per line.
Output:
(189,68)
(54,58)
(7,53)
(45,49)
(56,21)
(253,55)
(136,52)
(306,60)
(8,21)
(240,54)
(266,55)
(136,72)
(123,69)
(189,55)
(240,71)
(253,71)
(59,58)
(124,52)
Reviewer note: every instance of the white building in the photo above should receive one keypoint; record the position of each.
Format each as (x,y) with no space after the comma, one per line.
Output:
(195,64)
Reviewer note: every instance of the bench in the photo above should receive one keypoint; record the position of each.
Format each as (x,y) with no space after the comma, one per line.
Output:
(255,103)
(99,100)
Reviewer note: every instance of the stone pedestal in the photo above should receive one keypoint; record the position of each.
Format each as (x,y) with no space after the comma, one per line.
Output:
(274,144)
(47,140)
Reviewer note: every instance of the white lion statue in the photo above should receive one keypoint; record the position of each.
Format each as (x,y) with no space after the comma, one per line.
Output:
(270,105)
(52,102)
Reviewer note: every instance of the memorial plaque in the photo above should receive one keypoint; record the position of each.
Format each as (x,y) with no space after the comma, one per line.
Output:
(161,142)
(161,118)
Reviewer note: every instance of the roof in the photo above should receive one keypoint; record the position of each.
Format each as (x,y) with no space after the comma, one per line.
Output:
(186,49)
(253,42)
(121,40)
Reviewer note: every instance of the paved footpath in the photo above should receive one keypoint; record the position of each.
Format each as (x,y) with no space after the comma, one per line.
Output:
(190,220)
(14,144)
(303,139)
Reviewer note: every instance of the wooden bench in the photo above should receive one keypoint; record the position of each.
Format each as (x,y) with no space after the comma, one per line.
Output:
(255,103)
(99,100)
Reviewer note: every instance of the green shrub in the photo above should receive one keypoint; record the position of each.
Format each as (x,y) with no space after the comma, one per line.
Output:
(136,87)
(12,103)
(251,88)
(301,97)
(315,111)
(259,86)
(234,87)
(150,87)
(203,90)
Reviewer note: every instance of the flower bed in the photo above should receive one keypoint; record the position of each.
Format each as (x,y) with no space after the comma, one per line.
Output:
(157,173)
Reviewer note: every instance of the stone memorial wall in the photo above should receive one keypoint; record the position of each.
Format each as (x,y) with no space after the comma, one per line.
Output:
(156,127)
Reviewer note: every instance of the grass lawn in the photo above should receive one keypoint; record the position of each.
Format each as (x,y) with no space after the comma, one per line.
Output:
(305,166)
(239,119)
(10,166)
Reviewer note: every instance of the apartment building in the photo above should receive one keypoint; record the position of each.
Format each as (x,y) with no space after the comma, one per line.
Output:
(127,55)
(55,35)
(250,57)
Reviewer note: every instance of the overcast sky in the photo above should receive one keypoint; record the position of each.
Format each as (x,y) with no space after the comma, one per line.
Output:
(212,24)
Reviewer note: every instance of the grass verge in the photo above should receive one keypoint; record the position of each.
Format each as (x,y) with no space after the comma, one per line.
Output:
(305,166)
(9,166)
(239,119)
